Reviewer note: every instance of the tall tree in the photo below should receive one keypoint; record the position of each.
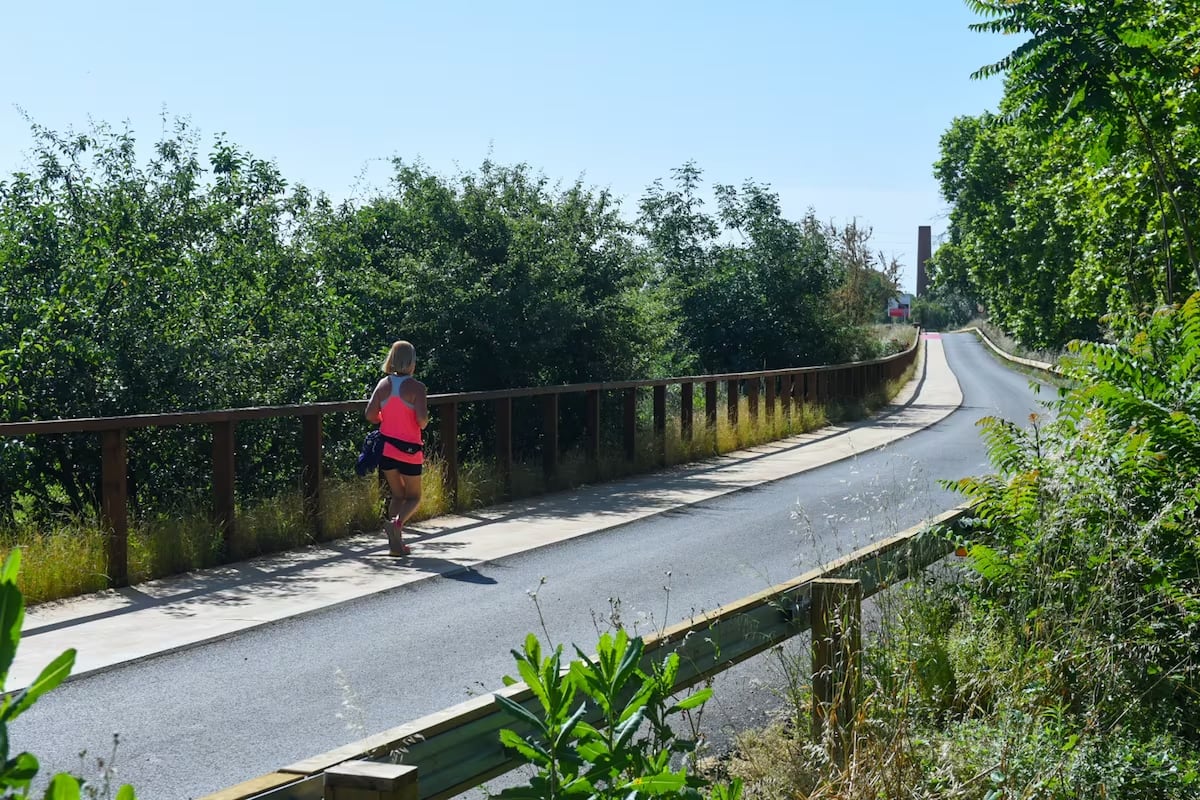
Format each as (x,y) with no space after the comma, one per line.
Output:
(1130,66)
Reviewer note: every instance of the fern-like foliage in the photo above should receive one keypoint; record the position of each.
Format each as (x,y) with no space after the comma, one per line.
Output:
(1091,523)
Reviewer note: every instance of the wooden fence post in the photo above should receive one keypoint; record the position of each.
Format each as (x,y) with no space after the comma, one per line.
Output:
(630,426)
(448,423)
(660,421)
(771,396)
(752,388)
(370,780)
(837,650)
(732,397)
(311,434)
(223,479)
(592,421)
(549,435)
(114,503)
(504,448)
(710,404)
(686,405)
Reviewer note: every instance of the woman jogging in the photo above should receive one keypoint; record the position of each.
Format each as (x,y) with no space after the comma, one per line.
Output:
(399,406)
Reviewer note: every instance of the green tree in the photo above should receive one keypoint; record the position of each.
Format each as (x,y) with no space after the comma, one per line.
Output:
(1128,68)
(750,288)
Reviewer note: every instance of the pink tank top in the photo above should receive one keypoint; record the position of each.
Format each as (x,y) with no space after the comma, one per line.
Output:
(398,419)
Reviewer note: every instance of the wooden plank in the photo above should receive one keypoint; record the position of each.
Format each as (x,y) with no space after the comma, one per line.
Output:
(448,422)
(836,623)
(371,779)
(660,422)
(549,435)
(224,470)
(271,782)
(311,435)
(131,421)
(752,389)
(629,424)
(114,504)
(686,405)
(592,426)
(504,448)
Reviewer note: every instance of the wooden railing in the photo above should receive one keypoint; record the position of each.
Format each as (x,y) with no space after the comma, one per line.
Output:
(1044,366)
(451,751)
(783,391)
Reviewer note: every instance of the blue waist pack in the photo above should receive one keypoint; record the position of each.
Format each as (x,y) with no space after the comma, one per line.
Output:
(372,451)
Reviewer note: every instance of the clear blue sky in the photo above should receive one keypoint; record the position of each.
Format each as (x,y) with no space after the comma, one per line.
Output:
(838,106)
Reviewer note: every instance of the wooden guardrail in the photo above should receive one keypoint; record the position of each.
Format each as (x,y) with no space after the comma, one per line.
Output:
(1025,362)
(459,748)
(785,390)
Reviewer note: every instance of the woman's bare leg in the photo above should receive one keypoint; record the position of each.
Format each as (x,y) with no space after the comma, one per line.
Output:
(412,497)
(396,502)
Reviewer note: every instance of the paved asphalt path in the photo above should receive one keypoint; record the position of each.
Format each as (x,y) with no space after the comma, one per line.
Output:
(202,719)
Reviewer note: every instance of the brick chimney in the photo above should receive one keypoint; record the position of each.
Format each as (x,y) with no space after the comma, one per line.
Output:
(924,253)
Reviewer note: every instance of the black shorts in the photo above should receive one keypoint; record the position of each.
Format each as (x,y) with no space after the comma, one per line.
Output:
(403,467)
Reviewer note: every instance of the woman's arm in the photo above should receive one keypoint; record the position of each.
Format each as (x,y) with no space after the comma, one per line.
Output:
(421,404)
(381,391)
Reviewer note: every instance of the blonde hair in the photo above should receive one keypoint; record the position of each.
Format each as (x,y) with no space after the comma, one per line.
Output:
(400,359)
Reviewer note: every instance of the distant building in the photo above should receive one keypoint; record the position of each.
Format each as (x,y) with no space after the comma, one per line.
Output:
(900,307)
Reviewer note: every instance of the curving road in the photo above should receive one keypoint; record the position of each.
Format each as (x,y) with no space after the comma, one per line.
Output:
(199,720)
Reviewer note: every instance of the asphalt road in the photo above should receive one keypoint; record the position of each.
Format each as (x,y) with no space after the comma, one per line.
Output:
(202,719)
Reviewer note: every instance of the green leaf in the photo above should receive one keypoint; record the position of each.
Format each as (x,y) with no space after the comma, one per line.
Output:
(699,698)
(63,787)
(126,793)
(528,792)
(12,565)
(662,783)
(520,712)
(19,771)
(1077,98)
(629,661)
(568,728)
(54,673)
(533,753)
(12,614)
(593,751)
(628,728)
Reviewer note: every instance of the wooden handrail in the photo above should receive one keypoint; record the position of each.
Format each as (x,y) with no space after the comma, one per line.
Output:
(175,418)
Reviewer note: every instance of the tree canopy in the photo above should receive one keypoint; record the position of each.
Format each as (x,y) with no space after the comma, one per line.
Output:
(195,280)
(1077,197)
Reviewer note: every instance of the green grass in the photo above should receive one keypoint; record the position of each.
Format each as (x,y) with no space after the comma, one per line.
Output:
(67,557)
